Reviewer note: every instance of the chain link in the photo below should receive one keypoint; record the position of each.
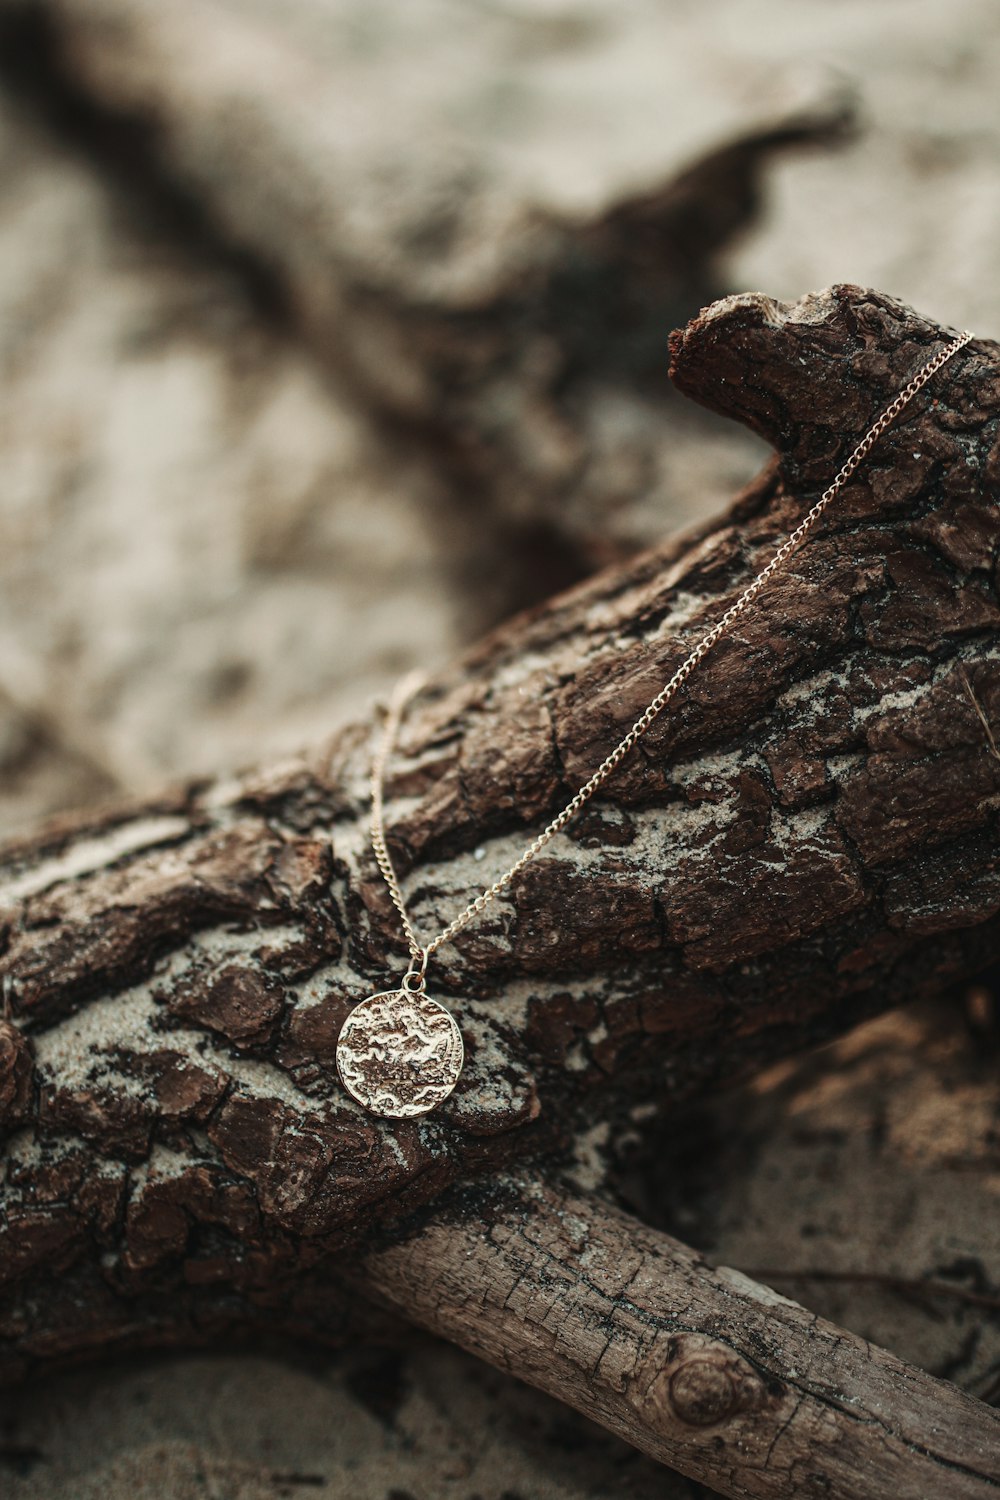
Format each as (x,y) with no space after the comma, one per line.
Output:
(410,685)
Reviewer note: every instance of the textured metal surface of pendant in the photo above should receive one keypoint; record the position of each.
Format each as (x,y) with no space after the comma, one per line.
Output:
(400,1053)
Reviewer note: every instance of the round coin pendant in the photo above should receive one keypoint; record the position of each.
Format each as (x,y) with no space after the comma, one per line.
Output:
(399,1054)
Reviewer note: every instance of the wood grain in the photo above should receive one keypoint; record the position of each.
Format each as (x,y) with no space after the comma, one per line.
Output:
(701,1368)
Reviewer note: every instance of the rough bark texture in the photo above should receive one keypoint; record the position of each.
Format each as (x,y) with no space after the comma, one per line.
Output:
(703,1369)
(810,836)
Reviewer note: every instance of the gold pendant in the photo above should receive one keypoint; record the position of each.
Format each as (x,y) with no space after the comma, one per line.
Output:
(399,1053)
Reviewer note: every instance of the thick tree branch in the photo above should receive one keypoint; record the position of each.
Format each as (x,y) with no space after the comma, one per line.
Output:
(811,835)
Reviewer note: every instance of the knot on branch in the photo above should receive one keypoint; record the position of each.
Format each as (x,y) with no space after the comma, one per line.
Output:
(704,1384)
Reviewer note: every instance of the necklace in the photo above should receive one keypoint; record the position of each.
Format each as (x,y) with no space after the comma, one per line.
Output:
(399,1052)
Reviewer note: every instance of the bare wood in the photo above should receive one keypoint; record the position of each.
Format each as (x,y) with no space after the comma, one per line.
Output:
(809,838)
(701,1368)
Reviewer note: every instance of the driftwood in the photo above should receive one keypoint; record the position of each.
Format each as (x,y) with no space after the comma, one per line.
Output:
(809,837)
(704,1369)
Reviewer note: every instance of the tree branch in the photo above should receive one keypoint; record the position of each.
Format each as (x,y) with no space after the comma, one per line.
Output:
(703,1369)
(808,837)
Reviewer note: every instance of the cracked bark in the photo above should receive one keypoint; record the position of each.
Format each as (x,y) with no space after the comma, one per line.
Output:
(810,836)
(701,1368)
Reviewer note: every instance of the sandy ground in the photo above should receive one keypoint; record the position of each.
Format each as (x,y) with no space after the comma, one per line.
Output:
(209,553)
(375,1425)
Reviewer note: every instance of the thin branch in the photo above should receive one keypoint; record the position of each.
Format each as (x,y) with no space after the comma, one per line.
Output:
(702,1368)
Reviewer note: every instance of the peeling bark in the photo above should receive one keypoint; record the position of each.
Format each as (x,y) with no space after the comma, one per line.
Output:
(809,836)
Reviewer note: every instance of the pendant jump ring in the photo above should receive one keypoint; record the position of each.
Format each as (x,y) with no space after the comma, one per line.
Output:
(415,978)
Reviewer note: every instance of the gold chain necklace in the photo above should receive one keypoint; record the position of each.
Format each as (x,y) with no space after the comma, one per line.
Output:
(400,1053)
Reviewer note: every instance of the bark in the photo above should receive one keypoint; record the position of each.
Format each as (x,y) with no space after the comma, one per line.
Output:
(704,1369)
(810,836)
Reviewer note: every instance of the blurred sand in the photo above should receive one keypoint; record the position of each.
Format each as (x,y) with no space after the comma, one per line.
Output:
(428,1424)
